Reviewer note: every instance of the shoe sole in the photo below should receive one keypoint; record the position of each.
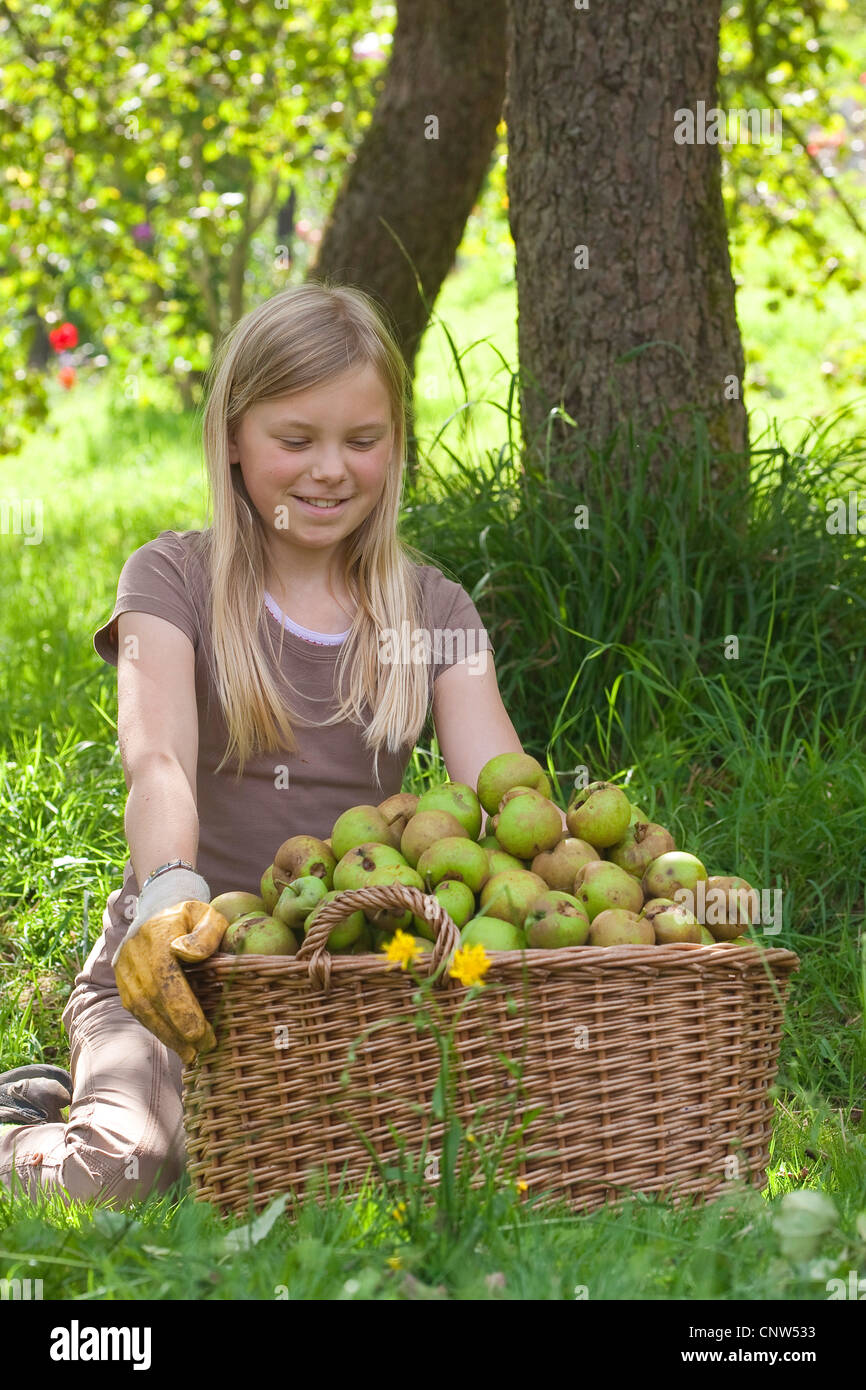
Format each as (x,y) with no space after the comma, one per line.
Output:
(37,1071)
(22,1115)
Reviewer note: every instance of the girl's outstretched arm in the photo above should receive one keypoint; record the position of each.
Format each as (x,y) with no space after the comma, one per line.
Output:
(471,722)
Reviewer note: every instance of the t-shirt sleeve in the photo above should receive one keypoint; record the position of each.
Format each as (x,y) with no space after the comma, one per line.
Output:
(458,632)
(151,581)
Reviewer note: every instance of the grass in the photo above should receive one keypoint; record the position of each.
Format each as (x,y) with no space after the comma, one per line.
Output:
(641,1249)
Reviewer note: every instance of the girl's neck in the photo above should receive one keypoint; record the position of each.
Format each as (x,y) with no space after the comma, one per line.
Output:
(313,595)
(306,571)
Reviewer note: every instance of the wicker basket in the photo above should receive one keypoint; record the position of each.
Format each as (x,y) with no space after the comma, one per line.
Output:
(650,1065)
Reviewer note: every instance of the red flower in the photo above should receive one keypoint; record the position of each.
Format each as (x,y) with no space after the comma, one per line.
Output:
(66,336)
(66,377)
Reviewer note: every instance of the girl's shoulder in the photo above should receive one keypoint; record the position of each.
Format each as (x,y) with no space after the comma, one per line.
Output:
(443,597)
(184,542)
(432,579)
(173,543)
(164,577)
(177,549)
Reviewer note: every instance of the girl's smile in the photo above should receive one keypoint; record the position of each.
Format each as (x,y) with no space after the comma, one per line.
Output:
(325,506)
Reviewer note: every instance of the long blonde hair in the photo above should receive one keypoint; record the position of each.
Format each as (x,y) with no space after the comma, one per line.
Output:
(302,337)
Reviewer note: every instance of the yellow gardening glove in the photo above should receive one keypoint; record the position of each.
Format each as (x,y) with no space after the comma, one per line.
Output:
(151,983)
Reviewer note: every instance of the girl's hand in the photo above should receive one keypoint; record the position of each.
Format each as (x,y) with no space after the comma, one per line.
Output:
(151,983)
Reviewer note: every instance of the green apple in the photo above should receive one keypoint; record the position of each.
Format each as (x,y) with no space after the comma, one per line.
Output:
(361,946)
(616,927)
(600,885)
(257,934)
(640,845)
(498,862)
(297,901)
(356,865)
(236,904)
(558,866)
(672,871)
(510,895)
(599,814)
(361,825)
(674,923)
(457,899)
(508,770)
(493,934)
(270,892)
(391,919)
(527,824)
(555,920)
(424,829)
(303,856)
(459,800)
(457,858)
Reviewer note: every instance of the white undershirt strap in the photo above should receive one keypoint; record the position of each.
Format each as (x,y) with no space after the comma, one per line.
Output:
(320,639)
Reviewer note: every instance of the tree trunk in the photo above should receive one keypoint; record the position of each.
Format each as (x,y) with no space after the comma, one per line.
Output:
(422,160)
(591,107)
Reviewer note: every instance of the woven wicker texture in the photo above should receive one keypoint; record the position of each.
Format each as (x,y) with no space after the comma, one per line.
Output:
(651,1065)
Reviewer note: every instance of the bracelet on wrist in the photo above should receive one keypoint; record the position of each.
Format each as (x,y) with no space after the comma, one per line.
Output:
(164,868)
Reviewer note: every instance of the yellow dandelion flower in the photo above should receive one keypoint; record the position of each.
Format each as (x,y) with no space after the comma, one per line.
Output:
(394,1261)
(470,1138)
(401,949)
(470,963)
(397,1212)
(522,1186)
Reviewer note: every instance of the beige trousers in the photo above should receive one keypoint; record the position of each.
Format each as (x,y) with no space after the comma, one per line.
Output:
(124,1136)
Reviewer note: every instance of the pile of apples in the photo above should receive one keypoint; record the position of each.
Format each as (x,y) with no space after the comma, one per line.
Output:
(610,880)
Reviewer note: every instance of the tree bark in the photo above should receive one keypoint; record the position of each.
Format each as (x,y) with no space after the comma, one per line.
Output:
(592,162)
(422,160)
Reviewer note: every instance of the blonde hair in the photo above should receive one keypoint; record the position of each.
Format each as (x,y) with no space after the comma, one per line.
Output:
(300,338)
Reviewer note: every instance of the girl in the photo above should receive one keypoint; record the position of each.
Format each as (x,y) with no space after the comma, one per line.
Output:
(273,669)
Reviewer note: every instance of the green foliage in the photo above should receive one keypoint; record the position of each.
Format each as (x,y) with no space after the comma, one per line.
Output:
(802,64)
(147,153)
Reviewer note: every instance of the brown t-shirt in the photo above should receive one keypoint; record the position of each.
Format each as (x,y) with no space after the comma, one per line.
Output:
(242,823)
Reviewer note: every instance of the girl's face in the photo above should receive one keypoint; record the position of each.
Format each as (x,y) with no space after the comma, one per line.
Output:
(330,444)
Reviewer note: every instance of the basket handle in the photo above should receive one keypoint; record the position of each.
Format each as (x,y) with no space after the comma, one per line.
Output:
(314,945)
